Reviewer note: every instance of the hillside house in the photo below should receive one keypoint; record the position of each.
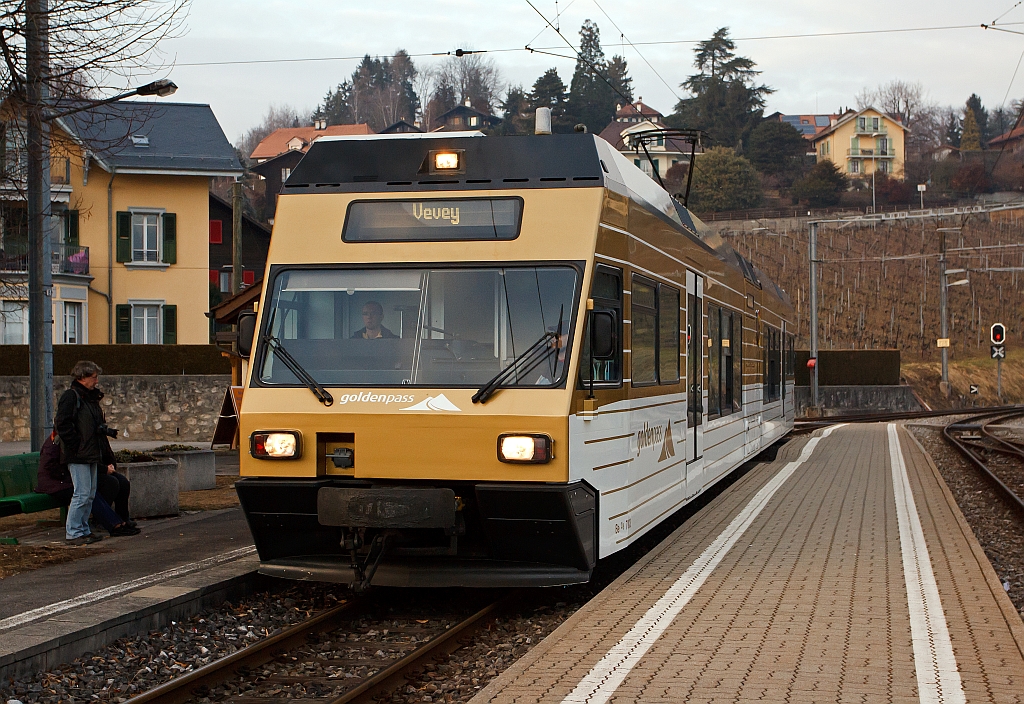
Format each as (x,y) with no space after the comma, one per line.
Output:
(863,142)
(299,139)
(637,118)
(807,125)
(465,117)
(255,244)
(130,225)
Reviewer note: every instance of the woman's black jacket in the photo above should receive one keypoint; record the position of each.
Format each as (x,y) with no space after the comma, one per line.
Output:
(77,423)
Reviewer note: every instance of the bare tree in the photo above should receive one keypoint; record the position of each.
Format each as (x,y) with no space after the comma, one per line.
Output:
(471,76)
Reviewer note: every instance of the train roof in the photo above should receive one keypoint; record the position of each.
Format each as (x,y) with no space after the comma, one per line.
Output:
(397,163)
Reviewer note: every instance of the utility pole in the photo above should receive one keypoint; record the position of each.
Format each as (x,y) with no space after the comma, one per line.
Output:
(236,237)
(40,276)
(813,295)
(943,322)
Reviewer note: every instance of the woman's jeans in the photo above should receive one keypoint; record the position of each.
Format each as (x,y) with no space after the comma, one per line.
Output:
(83,476)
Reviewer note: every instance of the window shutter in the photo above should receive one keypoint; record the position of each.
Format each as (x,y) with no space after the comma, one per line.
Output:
(124,236)
(71,228)
(170,238)
(124,323)
(170,325)
(216,232)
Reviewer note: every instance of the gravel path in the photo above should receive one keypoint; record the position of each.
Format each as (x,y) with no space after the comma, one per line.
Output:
(999,530)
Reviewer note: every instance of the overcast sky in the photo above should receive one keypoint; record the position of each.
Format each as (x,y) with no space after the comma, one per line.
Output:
(809,74)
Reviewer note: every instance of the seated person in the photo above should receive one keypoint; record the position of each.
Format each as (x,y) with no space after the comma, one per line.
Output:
(373,313)
(552,366)
(54,479)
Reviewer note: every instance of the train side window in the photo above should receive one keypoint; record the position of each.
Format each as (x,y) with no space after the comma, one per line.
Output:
(727,378)
(606,292)
(643,340)
(714,361)
(668,334)
(737,361)
(772,364)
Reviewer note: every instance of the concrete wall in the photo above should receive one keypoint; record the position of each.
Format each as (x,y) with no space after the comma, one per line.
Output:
(852,400)
(171,408)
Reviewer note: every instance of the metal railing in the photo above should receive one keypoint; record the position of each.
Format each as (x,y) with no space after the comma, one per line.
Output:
(65,259)
(886,153)
(867,127)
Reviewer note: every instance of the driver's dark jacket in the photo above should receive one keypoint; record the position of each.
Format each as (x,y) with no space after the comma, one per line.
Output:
(77,424)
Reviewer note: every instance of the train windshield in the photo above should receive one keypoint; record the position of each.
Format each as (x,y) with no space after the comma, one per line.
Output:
(421,327)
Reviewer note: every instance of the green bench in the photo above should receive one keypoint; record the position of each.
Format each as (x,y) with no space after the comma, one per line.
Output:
(18,479)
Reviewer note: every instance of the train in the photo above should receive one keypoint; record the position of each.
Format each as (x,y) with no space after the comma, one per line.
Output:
(493,361)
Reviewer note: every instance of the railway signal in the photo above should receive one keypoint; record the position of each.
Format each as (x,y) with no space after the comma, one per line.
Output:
(998,352)
(998,333)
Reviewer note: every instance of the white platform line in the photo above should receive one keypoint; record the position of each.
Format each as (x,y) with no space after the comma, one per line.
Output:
(938,678)
(601,682)
(119,589)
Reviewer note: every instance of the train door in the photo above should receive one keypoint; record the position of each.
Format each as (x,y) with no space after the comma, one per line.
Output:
(787,399)
(694,376)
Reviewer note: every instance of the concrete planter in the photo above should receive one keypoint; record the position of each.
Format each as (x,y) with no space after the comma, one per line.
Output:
(197,469)
(154,487)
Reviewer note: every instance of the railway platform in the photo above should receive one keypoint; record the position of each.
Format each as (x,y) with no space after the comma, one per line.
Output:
(174,568)
(843,571)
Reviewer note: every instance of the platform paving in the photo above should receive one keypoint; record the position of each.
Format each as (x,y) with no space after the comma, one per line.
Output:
(803,582)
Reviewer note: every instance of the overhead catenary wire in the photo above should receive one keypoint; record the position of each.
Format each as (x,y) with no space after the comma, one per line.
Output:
(809,35)
(623,35)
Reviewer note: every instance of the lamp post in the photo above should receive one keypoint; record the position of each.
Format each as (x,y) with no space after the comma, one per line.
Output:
(39,211)
(921,188)
(943,321)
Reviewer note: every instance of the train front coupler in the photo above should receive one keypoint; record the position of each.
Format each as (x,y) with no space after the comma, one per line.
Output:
(363,570)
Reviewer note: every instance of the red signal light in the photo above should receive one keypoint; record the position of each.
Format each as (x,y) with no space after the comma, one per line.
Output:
(998,334)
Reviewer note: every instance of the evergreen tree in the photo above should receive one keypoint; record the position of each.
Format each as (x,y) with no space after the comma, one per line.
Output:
(591,99)
(776,147)
(980,117)
(953,130)
(379,92)
(516,112)
(726,101)
(970,139)
(549,92)
(822,186)
(618,76)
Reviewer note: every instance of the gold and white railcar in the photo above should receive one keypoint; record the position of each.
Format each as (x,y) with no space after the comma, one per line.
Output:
(494,361)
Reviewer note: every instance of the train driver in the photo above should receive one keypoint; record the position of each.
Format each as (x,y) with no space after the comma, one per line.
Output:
(554,364)
(373,313)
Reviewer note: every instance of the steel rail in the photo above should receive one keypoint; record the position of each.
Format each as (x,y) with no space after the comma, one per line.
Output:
(897,416)
(981,421)
(181,689)
(393,676)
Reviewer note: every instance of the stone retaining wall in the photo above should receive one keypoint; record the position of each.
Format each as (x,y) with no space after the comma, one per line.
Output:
(172,408)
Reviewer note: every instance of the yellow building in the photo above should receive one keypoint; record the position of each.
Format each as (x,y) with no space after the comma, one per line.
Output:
(130,225)
(860,143)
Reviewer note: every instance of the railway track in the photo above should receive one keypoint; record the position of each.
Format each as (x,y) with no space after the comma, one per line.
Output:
(813,424)
(294,656)
(999,459)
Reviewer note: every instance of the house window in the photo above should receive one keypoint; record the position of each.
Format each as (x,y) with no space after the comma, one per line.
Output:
(248,278)
(216,232)
(473,121)
(145,237)
(13,322)
(225,282)
(862,123)
(883,167)
(145,324)
(854,166)
(72,323)
(285,173)
(883,146)
(874,123)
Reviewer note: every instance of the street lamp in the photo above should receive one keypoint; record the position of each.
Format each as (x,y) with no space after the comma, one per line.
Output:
(161,88)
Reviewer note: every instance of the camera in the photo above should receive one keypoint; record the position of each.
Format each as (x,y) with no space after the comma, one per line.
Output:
(108,431)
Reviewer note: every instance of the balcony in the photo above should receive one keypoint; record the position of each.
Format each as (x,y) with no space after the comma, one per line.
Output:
(888,153)
(868,126)
(66,259)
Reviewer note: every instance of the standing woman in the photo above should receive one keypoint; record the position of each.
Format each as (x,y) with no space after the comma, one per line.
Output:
(82,429)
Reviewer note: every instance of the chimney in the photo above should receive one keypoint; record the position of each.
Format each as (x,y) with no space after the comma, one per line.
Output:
(469,103)
(320,124)
(543,121)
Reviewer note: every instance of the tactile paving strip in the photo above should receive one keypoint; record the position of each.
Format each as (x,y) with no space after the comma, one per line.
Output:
(809,605)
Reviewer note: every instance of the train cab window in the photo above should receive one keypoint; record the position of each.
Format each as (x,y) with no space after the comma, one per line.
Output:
(644,339)
(420,327)
(606,291)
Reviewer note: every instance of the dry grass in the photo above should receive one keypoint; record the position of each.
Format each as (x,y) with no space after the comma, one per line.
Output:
(223,496)
(925,377)
(22,558)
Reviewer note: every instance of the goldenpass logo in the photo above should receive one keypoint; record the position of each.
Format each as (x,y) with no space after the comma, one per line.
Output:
(649,436)
(368,397)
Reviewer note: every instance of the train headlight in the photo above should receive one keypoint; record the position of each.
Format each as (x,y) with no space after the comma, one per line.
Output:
(530,449)
(446,161)
(275,445)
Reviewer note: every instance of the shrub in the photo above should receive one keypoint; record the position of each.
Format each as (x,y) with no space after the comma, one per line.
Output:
(722,180)
(130,456)
(970,179)
(177,447)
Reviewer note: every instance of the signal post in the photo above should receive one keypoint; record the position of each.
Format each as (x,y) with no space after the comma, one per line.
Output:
(997,335)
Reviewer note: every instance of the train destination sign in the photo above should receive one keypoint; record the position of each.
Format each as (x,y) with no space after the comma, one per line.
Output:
(433,220)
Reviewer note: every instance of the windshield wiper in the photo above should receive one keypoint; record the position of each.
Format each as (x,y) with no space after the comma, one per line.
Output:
(523,364)
(322,394)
